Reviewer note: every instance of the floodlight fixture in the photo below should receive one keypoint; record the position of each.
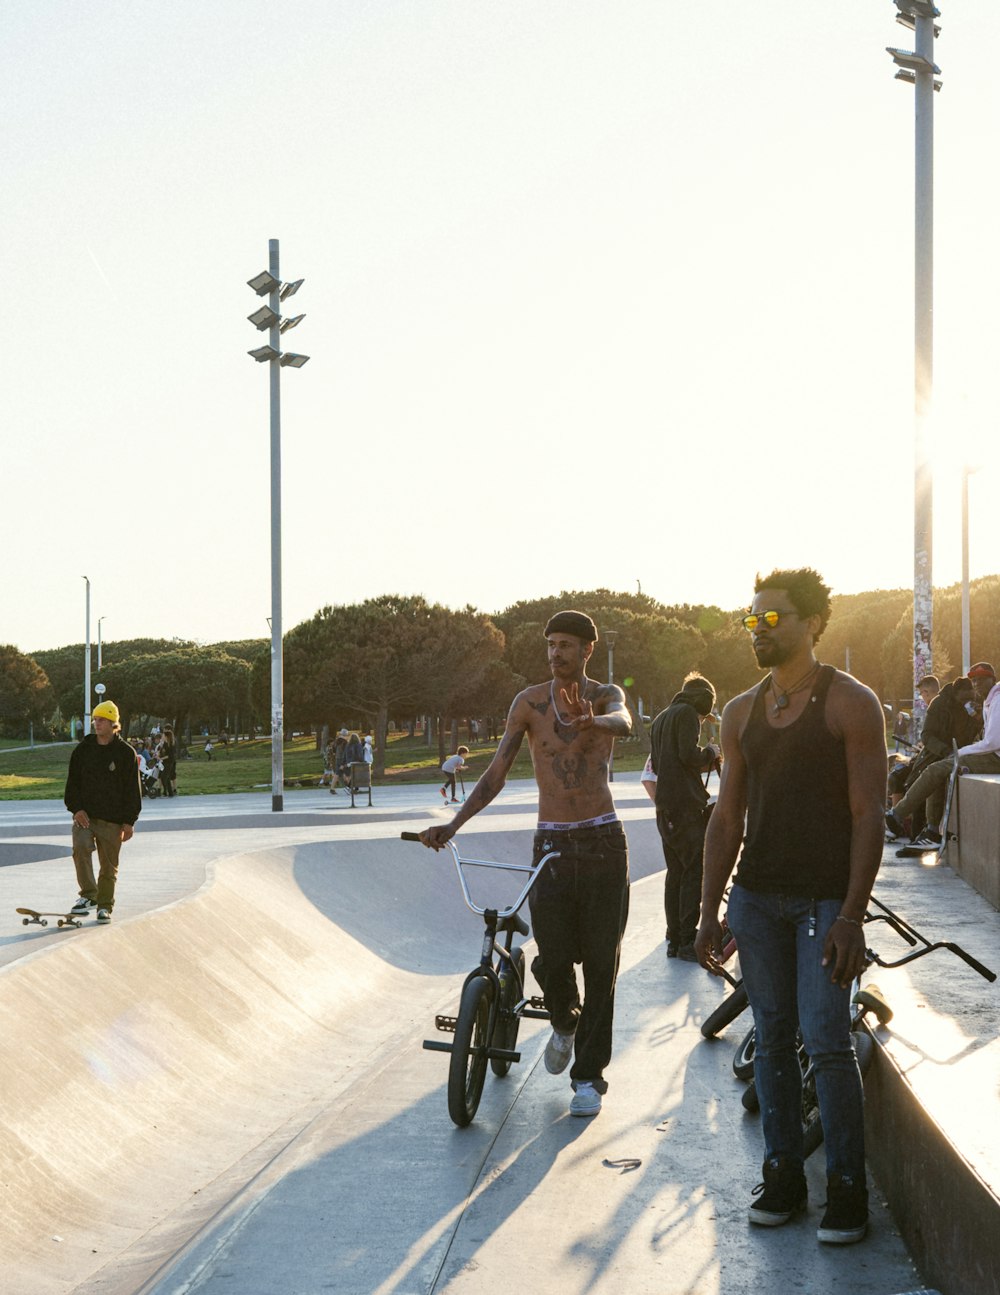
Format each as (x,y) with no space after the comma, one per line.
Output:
(917,9)
(263,353)
(264,283)
(908,21)
(293,361)
(286,324)
(290,289)
(911,78)
(905,58)
(264,318)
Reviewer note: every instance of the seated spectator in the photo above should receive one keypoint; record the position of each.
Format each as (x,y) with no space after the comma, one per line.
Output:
(951,716)
(982,756)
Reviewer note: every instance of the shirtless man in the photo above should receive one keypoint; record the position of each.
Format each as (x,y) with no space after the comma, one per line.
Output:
(579,904)
(804,766)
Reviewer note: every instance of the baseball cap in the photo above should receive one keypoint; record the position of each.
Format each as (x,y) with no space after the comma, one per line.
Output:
(982,670)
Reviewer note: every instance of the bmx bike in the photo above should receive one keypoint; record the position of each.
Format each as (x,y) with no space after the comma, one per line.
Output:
(867,999)
(493,998)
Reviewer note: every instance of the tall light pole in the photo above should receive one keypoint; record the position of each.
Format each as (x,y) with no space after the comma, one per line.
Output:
(86,666)
(917,68)
(269,284)
(609,638)
(967,472)
(100,660)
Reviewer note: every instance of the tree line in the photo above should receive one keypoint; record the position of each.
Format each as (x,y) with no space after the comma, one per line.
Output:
(395,657)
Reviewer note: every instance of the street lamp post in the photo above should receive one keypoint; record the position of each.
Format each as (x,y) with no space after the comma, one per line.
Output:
(100,660)
(967,472)
(609,637)
(917,68)
(269,284)
(86,667)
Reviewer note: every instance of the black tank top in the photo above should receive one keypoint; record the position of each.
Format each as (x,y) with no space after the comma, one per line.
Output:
(798,839)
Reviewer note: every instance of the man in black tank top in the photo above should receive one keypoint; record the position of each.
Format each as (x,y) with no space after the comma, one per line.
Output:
(804,768)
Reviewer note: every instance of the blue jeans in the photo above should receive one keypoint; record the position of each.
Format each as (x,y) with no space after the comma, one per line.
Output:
(789,989)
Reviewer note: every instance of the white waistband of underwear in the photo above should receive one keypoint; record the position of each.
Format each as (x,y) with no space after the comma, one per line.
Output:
(584,822)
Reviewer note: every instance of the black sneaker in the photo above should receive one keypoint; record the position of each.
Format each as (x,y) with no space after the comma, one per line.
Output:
(672,949)
(893,825)
(846,1217)
(686,953)
(782,1193)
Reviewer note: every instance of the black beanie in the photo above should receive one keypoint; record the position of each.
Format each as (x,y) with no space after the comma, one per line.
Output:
(578,624)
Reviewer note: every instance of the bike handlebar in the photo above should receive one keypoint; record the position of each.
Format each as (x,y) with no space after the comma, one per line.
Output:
(510,913)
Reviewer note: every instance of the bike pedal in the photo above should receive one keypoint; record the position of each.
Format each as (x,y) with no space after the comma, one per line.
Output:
(446,1023)
(537,1002)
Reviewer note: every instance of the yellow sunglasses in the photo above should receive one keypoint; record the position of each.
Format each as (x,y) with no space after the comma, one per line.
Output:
(770,619)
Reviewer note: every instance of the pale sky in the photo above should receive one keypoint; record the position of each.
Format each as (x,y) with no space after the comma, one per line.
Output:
(596,294)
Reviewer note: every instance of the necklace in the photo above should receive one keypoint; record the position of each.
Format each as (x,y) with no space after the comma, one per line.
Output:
(781,699)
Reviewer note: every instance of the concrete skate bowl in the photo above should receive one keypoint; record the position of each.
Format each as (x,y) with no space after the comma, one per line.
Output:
(151,1069)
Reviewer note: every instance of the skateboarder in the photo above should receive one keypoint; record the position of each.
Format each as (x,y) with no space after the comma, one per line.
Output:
(104,796)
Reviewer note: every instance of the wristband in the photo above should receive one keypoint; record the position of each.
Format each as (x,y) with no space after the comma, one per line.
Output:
(841,918)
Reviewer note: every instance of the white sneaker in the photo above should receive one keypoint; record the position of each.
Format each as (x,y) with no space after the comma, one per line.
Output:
(104,914)
(83,906)
(586,1099)
(558,1051)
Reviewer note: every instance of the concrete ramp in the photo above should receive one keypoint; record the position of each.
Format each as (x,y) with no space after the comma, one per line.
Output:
(143,1061)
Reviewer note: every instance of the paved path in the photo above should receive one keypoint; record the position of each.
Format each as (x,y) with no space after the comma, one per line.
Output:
(362,1184)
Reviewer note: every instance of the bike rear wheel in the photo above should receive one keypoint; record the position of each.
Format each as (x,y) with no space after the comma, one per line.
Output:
(467,1072)
(508,1022)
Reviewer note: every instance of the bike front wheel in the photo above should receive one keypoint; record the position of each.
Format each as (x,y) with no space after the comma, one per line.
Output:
(743,1059)
(467,1071)
(727,1011)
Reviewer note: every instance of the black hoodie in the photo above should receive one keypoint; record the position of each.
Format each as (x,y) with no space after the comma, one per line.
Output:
(677,759)
(104,780)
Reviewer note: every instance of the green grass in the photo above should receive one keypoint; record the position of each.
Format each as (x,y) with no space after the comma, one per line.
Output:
(40,774)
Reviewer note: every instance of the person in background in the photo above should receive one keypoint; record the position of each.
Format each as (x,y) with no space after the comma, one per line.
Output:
(450,770)
(982,756)
(681,797)
(104,795)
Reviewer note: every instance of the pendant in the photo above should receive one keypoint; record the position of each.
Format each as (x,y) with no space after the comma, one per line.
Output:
(780,703)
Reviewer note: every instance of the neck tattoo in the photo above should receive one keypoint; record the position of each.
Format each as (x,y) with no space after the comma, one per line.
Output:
(782,697)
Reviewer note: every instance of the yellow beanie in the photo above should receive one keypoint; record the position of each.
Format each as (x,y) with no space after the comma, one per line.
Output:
(106,710)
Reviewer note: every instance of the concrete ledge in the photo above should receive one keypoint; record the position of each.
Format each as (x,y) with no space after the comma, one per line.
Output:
(948,1216)
(977,858)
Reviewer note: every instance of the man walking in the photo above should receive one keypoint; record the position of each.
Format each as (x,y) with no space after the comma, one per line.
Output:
(579,904)
(804,761)
(679,762)
(975,757)
(104,795)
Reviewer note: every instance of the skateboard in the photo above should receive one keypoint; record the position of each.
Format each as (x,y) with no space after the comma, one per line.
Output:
(915,851)
(65,919)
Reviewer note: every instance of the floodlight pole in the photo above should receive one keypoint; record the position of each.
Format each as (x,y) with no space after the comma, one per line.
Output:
(86,667)
(269,317)
(918,69)
(277,661)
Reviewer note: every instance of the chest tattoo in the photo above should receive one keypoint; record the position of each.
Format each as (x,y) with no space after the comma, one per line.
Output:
(541,706)
(570,770)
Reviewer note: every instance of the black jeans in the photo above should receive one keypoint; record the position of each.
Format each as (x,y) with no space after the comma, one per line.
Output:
(579,907)
(683,847)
